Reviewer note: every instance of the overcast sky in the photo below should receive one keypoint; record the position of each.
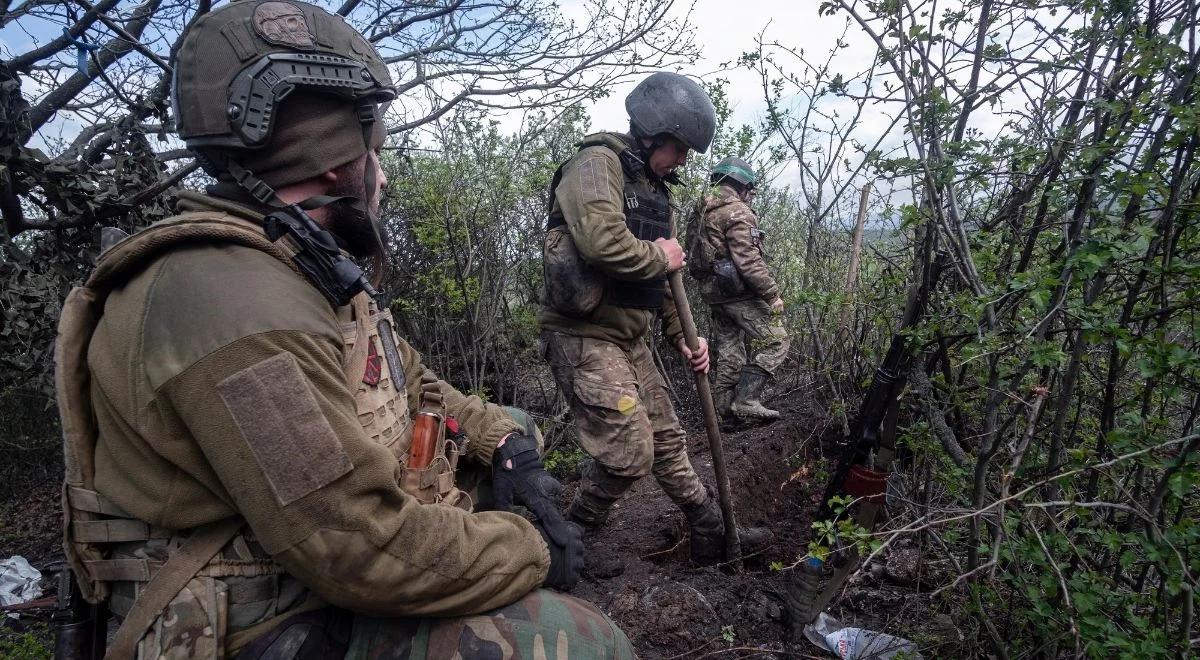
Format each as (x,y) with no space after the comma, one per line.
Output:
(724,29)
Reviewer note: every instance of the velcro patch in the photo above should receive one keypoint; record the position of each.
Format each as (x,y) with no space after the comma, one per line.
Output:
(278,416)
(593,179)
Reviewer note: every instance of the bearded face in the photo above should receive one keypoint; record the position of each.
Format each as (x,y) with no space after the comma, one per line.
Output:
(349,219)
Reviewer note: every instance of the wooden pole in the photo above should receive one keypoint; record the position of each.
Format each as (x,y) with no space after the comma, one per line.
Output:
(733,545)
(855,254)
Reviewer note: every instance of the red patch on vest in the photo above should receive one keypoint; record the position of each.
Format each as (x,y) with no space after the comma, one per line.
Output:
(374,370)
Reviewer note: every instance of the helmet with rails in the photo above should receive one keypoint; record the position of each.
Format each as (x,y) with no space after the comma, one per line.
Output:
(240,64)
(673,104)
(269,93)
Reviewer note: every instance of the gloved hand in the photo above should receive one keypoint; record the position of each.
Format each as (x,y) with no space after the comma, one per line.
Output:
(566,561)
(518,475)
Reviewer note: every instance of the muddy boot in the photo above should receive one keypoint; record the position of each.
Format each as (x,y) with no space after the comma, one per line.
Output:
(584,513)
(598,491)
(746,404)
(722,399)
(708,534)
(754,539)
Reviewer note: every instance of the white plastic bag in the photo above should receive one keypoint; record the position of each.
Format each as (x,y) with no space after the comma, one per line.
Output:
(19,582)
(856,643)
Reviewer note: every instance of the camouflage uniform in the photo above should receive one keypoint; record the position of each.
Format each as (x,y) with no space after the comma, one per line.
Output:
(740,321)
(237,436)
(542,625)
(602,362)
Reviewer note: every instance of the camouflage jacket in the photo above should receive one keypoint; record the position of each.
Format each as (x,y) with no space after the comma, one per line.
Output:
(731,230)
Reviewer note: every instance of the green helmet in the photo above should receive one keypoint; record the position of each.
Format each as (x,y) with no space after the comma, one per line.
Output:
(238,64)
(736,169)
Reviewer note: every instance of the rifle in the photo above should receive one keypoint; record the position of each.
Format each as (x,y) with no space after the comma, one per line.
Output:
(862,467)
(80,628)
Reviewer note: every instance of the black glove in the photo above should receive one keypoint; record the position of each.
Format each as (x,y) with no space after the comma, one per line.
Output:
(566,561)
(527,482)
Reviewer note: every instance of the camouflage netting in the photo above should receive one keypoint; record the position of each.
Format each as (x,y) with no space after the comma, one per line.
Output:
(86,184)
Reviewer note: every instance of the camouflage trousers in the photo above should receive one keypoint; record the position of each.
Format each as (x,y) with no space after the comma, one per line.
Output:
(741,325)
(625,422)
(542,625)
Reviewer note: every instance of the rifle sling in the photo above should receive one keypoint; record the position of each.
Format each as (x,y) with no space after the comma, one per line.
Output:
(865,518)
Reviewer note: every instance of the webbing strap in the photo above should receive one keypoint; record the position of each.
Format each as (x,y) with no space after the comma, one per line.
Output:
(85,499)
(119,570)
(168,582)
(355,362)
(115,531)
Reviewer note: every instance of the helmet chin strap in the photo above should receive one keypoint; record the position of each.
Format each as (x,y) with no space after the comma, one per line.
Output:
(316,252)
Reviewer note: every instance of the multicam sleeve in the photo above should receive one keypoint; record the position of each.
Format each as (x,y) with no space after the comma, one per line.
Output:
(744,243)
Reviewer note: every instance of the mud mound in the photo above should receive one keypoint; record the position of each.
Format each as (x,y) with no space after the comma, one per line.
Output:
(639,571)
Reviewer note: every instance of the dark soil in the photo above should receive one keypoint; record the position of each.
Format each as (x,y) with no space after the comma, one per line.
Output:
(31,525)
(639,571)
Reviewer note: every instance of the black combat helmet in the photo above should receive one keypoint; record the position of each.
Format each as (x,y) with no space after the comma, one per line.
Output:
(673,104)
(736,169)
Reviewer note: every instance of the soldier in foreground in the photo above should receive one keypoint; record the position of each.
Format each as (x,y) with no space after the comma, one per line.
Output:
(256,462)
(744,298)
(609,247)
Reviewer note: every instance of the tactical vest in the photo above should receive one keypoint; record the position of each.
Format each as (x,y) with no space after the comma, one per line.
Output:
(647,215)
(211,587)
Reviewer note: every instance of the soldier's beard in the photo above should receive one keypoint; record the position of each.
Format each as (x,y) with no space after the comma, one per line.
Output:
(361,236)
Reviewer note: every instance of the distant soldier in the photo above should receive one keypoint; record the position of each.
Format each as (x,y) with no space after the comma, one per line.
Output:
(609,247)
(257,464)
(748,335)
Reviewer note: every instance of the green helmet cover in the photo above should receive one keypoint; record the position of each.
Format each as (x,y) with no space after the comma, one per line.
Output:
(238,64)
(736,169)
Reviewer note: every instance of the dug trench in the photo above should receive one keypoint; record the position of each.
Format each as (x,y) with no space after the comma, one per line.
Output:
(639,571)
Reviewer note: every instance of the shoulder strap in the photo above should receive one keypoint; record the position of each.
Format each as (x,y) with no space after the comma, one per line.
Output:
(135,252)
